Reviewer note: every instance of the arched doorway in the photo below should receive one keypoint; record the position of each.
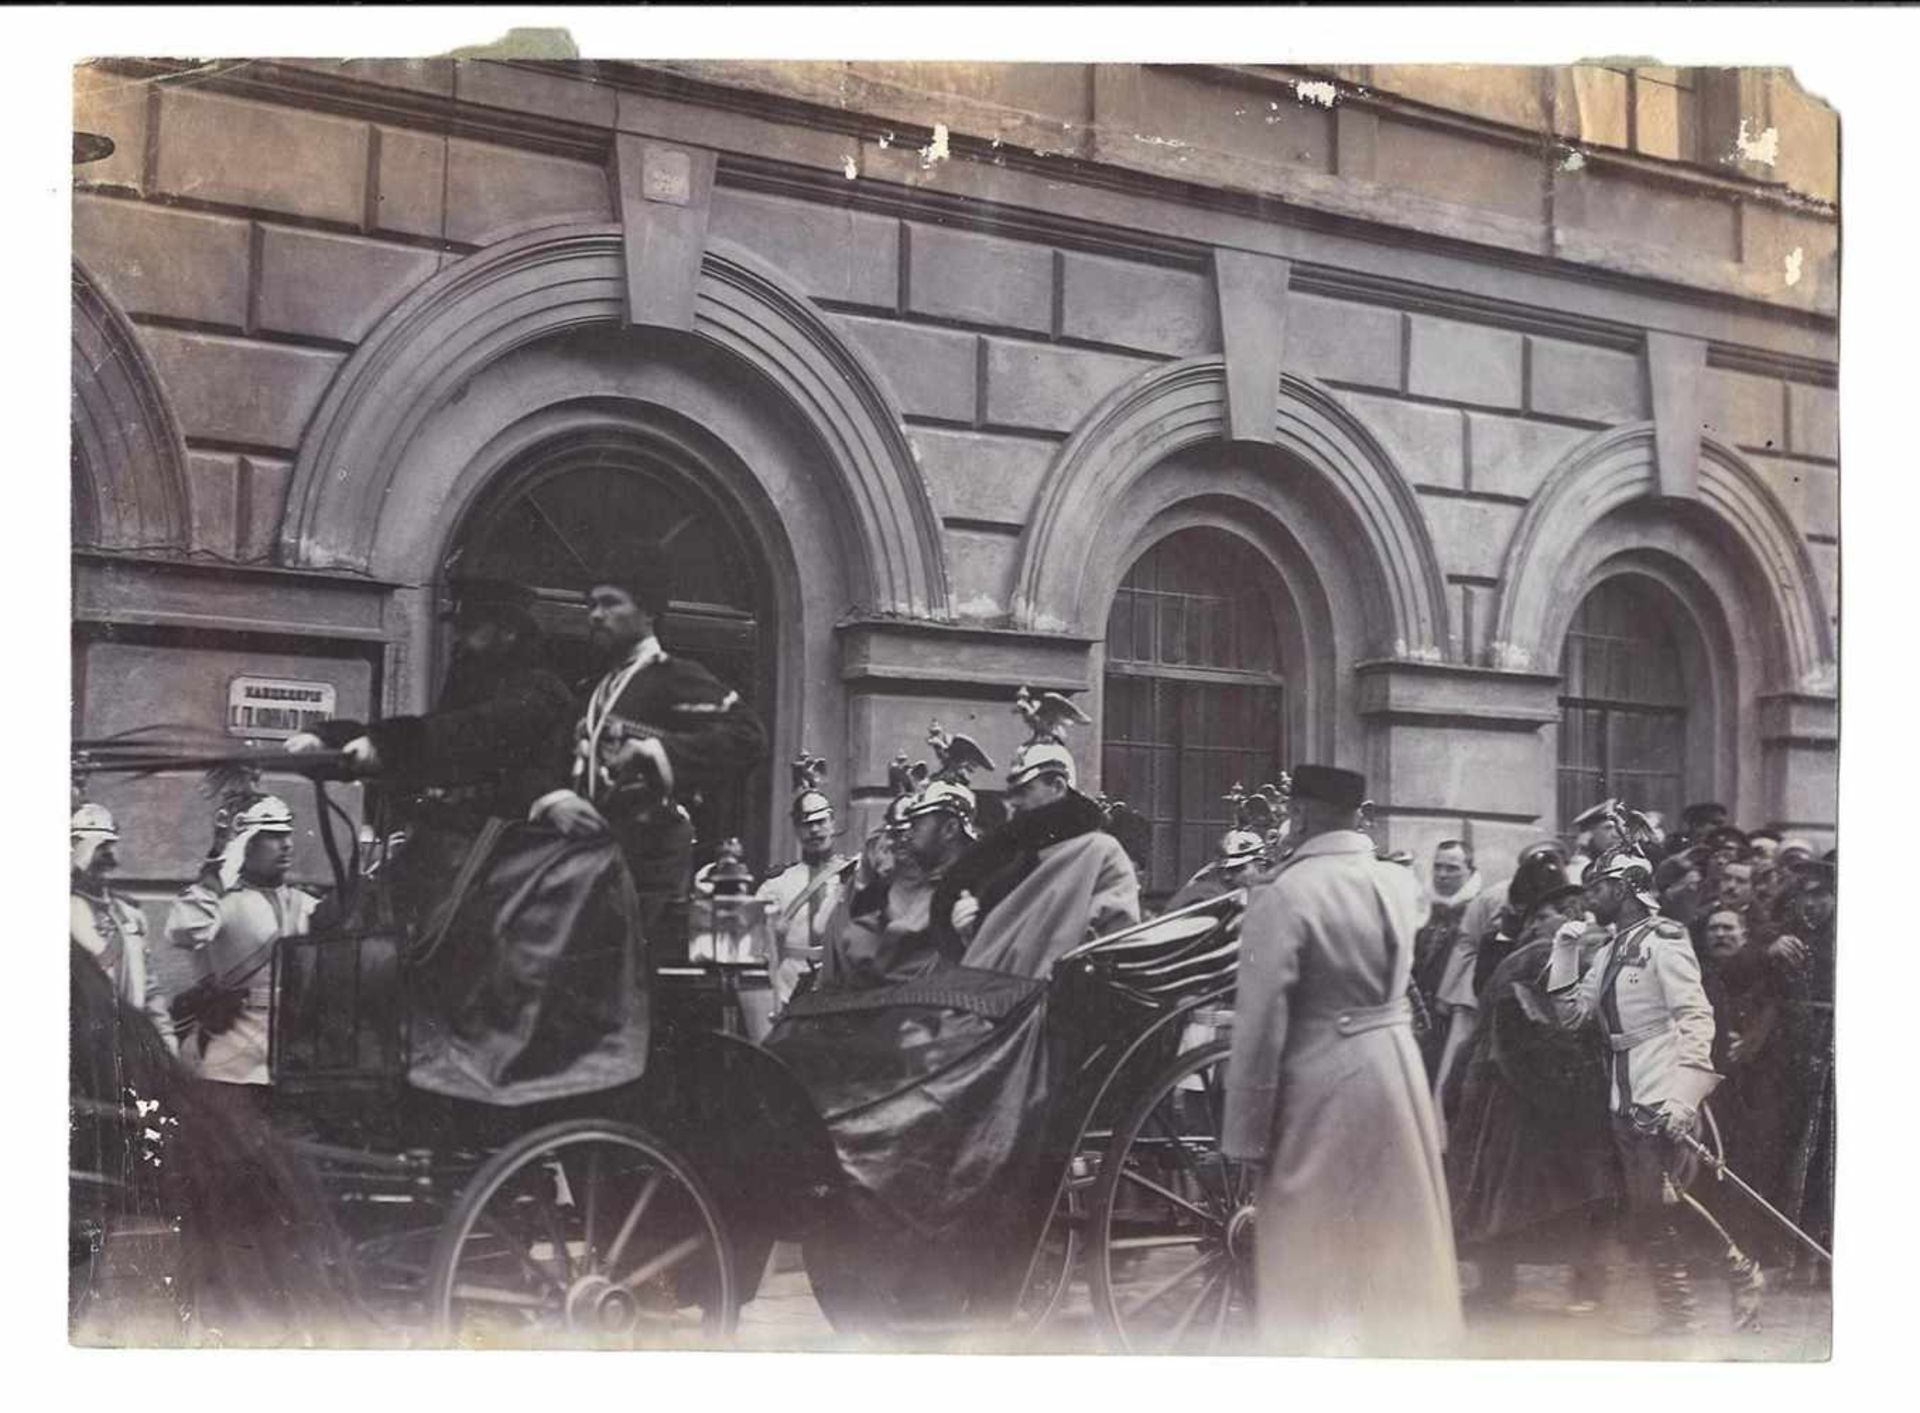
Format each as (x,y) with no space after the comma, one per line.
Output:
(1195,692)
(565,508)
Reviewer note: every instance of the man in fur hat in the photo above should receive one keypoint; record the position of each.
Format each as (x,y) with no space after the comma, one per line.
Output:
(651,737)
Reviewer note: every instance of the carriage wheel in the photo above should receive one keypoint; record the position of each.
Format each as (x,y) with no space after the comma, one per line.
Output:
(1050,1271)
(584,1232)
(1172,1219)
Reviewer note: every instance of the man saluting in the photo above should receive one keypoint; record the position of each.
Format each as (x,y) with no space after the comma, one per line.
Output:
(1325,1089)
(654,733)
(1642,983)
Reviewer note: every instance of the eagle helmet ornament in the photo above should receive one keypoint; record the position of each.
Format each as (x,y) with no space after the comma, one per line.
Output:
(948,791)
(1047,715)
(810,802)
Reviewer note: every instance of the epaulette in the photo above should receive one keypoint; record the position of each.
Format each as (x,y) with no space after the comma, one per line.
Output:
(1668,928)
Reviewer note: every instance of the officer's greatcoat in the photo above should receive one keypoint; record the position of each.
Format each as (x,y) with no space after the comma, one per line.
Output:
(1354,1245)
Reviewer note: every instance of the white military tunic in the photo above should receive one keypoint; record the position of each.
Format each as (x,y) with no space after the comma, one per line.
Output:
(224,930)
(113,932)
(800,919)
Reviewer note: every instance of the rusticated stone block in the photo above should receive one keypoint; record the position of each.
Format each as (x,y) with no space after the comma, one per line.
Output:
(931,372)
(410,185)
(115,107)
(1463,362)
(1137,306)
(1746,410)
(241,153)
(976,476)
(233,390)
(1425,442)
(1586,384)
(493,190)
(1343,343)
(335,287)
(980,567)
(1511,456)
(268,482)
(1470,536)
(213,500)
(850,257)
(1047,388)
(152,260)
(1810,493)
(1813,421)
(978,278)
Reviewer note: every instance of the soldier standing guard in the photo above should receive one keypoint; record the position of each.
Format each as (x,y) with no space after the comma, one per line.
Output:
(108,926)
(652,734)
(1642,983)
(806,894)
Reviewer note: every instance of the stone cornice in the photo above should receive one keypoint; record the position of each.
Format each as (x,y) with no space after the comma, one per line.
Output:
(351,97)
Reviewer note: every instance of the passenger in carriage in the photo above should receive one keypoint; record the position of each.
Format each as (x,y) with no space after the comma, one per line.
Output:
(888,935)
(1048,880)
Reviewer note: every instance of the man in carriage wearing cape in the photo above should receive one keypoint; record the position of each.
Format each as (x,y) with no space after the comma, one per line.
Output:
(1050,878)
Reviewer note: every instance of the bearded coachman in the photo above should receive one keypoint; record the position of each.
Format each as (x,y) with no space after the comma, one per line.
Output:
(651,738)
(806,894)
(1051,877)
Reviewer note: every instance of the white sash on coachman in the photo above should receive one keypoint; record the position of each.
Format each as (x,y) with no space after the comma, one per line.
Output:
(600,709)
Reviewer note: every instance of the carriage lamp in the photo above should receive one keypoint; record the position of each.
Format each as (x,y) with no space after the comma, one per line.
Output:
(728,933)
(728,927)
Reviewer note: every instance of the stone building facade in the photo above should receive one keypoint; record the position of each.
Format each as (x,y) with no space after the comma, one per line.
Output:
(1474,428)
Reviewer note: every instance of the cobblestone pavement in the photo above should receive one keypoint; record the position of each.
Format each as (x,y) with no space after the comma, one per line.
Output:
(1795,1325)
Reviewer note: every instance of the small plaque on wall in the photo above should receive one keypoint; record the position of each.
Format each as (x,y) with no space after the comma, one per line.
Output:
(276,707)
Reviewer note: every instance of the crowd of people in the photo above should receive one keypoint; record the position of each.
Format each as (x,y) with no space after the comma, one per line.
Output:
(1524,1104)
(1520,1063)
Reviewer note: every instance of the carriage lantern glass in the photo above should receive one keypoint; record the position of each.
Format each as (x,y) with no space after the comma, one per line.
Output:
(729,925)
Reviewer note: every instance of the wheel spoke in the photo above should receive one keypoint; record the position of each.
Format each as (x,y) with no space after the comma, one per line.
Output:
(522,1255)
(494,1295)
(1211,1218)
(1186,1158)
(557,1239)
(1157,1292)
(666,1260)
(632,1222)
(1226,1303)
(592,1206)
(1185,1321)
(1147,1243)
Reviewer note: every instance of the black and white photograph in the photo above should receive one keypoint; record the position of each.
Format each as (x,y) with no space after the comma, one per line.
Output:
(939,705)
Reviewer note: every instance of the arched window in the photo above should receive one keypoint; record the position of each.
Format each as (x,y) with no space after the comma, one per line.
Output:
(568,507)
(1195,699)
(1624,702)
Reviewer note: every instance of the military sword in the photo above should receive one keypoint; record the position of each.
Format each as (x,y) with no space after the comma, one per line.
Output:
(1720,1168)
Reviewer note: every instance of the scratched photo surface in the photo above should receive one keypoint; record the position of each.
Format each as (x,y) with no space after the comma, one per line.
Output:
(703,691)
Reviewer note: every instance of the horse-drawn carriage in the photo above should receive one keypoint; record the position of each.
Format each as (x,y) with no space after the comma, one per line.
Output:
(948,1153)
